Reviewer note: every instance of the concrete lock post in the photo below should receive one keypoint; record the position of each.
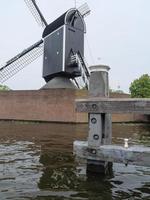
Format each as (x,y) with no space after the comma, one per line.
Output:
(100,125)
(98,151)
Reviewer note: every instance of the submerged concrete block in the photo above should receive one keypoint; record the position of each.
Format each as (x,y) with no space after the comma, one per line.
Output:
(135,155)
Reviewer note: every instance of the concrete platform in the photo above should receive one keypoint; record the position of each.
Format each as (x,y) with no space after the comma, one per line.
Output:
(135,155)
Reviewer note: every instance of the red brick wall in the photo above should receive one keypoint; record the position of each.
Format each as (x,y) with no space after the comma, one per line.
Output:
(42,105)
(54,105)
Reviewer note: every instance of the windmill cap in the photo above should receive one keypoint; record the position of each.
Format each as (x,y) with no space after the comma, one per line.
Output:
(66,18)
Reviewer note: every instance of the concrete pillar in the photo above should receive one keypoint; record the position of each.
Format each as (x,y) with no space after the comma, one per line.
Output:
(99,82)
(100,125)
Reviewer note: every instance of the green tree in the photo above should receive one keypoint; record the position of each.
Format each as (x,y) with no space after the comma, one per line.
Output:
(140,88)
(4,87)
(116,91)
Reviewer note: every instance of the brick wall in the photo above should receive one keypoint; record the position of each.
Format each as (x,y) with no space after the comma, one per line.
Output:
(53,105)
(42,105)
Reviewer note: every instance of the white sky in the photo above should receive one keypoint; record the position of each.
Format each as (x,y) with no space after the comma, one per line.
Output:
(118,33)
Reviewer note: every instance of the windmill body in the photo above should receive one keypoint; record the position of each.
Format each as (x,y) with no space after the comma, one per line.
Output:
(63,39)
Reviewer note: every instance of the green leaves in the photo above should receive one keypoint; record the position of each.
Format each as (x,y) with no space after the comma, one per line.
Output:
(4,87)
(140,88)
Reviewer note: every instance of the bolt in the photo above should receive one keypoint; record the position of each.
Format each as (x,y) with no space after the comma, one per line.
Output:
(94,106)
(96,137)
(94,151)
(94,120)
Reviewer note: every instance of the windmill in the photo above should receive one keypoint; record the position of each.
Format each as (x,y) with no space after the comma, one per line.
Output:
(62,46)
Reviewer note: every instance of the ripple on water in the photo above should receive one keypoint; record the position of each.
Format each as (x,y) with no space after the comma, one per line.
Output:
(20,169)
(29,171)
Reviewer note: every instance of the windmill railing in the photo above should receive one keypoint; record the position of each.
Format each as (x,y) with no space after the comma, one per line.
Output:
(77,58)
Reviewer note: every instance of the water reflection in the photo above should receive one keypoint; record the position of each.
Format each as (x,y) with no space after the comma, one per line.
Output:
(65,175)
(19,168)
(59,173)
(44,168)
(127,182)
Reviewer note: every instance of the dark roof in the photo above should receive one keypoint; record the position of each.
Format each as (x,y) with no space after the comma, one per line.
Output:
(60,22)
(54,25)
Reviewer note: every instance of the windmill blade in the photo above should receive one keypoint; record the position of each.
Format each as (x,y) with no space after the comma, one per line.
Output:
(17,63)
(84,10)
(35,11)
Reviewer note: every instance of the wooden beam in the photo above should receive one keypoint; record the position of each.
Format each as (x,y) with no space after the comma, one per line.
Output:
(112,105)
(135,155)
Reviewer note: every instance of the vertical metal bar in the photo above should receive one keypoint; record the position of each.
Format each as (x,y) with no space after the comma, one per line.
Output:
(75,3)
(95,130)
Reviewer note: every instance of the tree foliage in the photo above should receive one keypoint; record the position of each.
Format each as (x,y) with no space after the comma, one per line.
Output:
(140,88)
(4,87)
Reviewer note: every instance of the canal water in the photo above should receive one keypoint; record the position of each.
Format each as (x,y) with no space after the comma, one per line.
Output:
(36,163)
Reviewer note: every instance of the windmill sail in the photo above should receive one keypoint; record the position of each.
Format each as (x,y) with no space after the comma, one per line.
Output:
(18,62)
(84,10)
(35,11)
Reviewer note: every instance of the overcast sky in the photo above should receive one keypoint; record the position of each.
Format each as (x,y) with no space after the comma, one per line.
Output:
(118,35)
